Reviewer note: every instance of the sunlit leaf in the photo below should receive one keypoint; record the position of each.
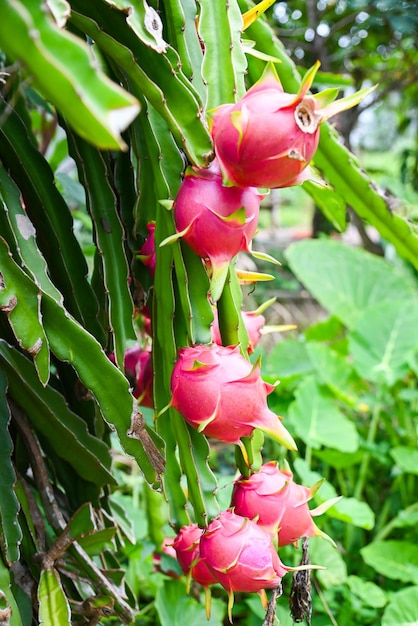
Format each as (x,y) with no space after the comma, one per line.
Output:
(323,553)
(402,609)
(394,559)
(317,420)
(346,280)
(383,339)
(53,604)
(94,106)
(406,458)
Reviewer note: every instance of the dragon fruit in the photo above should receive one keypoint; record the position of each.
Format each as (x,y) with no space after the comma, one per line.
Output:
(221,394)
(186,546)
(240,555)
(278,503)
(216,222)
(268,137)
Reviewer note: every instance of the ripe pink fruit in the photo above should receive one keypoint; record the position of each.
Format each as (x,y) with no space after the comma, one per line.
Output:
(147,252)
(280,504)
(216,221)
(221,394)
(268,137)
(186,546)
(138,368)
(241,555)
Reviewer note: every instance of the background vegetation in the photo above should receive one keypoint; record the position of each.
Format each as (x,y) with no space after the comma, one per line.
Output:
(101,108)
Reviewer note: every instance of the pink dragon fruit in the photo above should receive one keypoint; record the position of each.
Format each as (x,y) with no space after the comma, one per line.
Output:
(186,546)
(268,137)
(138,369)
(147,252)
(241,555)
(253,323)
(215,221)
(279,504)
(221,394)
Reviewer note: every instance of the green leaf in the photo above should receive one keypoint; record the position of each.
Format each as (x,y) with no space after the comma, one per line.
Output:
(348,510)
(94,543)
(182,33)
(332,370)
(20,300)
(24,236)
(288,360)
(51,218)
(402,609)
(397,560)
(6,588)
(369,593)
(406,458)
(9,504)
(157,77)
(71,342)
(95,174)
(317,420)
(224,62)
(53,604)
(346,280)
(332,205)
(353,511)
(176,608)
(61,67)
(49,413)
(351,182)
(323,553)
(383,339)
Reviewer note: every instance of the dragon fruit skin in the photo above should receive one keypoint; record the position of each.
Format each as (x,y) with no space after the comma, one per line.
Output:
(221,394)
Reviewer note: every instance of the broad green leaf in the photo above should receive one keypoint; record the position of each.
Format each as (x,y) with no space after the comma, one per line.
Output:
(24,235)
(288,360)
(317,420)
(51,218)
(9,504)
(348,510)
(346,280)
(383,339)
(332,370)
(95,174)
(6,588)
(49,413)
(176,608)
(323,553)
(61,67)
(224,62)
(53,605)
(407,517)
(20,300)
(71,342)
(394,559)
(353,511)
(370,594)
(402,609)
(156,76)
(406,458)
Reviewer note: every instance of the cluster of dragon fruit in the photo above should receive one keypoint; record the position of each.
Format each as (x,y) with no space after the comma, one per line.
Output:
(265,140)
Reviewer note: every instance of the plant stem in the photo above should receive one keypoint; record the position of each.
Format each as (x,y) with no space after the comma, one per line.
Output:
(364,467)
(386,530)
